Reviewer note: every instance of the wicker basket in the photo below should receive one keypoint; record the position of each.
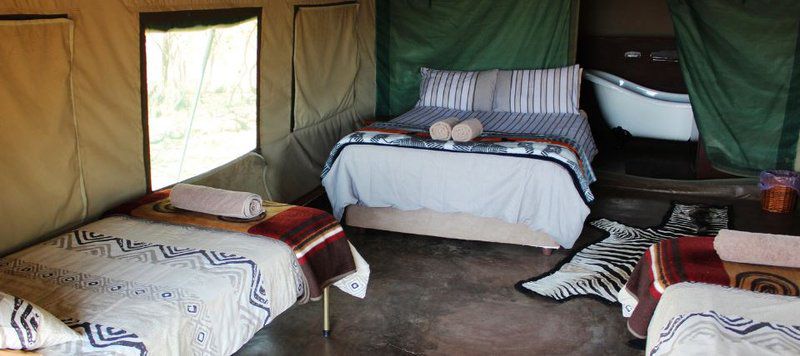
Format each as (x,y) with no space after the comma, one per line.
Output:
(778,199)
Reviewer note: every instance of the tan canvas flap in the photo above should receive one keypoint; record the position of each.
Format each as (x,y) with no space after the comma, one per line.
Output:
(325,62)
(41,182)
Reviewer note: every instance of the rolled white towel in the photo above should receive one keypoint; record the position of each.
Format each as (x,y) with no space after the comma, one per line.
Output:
(758,249)
(440,130)
(467,130)
(215,201)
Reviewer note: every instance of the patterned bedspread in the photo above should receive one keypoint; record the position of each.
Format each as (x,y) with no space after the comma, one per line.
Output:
(705,319)
(709,333)
(560,150)
(572,127)
(319,243)
(693,259)
(135,287)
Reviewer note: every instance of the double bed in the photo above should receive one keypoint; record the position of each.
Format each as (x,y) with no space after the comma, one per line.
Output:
(524,180)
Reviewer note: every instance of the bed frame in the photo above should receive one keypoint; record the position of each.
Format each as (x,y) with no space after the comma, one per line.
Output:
(326,313)
(461,226)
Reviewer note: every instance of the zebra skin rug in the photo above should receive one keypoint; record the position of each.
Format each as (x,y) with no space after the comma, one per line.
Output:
(601,269)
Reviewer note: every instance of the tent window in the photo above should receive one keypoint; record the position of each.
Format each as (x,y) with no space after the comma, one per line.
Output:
(200,90)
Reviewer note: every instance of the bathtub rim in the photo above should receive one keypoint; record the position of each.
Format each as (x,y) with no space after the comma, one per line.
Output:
(607,79)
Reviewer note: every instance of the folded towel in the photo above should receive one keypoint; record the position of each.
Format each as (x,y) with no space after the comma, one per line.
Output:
(467,130)
(440,130)
(215,201)
(758,249)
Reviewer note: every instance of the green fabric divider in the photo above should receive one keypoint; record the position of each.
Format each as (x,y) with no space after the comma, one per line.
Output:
(740,62)
(466,35)
(382,38)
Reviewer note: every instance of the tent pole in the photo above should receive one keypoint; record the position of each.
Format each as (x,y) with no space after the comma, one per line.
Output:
(188,133)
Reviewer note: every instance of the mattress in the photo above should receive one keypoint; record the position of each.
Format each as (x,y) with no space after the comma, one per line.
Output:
(704,319)
(134,287)
(318,241)
(480,180)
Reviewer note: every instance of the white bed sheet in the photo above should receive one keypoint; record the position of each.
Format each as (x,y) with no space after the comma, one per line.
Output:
(536,193)
(132,286)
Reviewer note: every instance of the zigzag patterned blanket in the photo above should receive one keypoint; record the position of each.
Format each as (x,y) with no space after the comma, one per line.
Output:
(559,150)
(317,239)
(707,319)
(710,333)
(136,287)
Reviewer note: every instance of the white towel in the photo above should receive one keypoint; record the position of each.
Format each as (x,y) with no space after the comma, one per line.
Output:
(467,130)
(440,130)
(758,249)
(215,201)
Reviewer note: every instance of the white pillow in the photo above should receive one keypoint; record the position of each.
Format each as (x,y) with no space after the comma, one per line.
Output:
(25,326)
(554,90)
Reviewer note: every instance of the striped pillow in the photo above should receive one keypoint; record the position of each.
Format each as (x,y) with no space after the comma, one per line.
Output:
(447,89)
(530,91)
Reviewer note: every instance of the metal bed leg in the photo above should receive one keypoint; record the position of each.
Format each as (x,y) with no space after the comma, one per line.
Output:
(326,313)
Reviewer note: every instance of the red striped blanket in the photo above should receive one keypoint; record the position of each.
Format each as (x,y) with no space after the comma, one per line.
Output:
(693,259)
(317,239)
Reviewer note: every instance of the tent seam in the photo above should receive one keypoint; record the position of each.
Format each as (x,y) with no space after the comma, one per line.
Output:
(81,178)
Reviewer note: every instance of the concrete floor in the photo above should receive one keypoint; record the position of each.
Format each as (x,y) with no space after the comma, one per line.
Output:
(438,296)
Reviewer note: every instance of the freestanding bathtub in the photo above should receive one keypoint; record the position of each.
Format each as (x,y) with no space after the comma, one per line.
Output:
(642,111)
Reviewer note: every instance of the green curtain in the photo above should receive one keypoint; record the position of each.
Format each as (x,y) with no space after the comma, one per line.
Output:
(466,35)
(741,64)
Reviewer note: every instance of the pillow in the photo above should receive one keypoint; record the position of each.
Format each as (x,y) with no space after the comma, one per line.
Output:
(25,326)
(484,90)
(455,89)
(530,91)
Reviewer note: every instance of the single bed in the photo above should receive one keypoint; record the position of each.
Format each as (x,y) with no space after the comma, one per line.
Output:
(693,259)
(704,319)
(133,287)
(483,191)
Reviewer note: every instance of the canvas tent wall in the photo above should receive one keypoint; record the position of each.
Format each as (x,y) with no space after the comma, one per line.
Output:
(467,35)
(73,144)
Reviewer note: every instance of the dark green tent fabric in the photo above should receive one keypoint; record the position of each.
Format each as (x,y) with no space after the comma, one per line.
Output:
(741,64)
(466,35)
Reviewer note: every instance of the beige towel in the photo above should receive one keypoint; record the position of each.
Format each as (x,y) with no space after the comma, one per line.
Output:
(440,130)
(467,130)
(215,201)
(758,249)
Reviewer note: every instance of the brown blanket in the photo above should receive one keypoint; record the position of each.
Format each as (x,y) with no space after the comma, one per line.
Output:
(693,259)
(318,241)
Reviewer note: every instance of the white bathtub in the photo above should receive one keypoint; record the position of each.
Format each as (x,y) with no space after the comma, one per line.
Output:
(642,111)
